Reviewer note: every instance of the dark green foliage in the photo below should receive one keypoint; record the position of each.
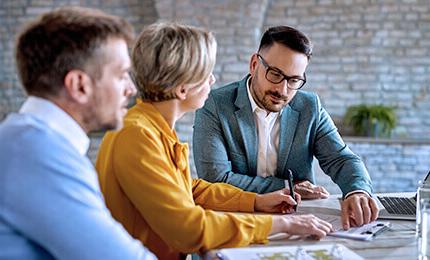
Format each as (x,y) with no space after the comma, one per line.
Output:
(371,120)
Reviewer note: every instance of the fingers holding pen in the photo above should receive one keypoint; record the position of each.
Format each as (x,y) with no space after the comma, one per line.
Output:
(278,201)
(298,198)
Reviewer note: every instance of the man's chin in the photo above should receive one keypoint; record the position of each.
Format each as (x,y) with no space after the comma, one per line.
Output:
(274,108)
(118,124)
(111,126)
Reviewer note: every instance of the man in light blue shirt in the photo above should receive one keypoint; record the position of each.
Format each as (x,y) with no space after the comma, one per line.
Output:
(74,65)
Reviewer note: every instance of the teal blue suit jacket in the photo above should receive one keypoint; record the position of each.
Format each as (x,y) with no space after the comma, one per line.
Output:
(225,143)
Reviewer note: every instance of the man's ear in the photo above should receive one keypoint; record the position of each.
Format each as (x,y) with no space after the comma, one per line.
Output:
(79,86)
(253,63)
(181,92)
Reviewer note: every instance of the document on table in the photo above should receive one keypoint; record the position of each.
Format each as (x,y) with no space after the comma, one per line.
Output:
(329,210)
(308,252)
(365,232)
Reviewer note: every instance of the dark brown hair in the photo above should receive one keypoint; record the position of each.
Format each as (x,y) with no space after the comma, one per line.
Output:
(287,36)
(62,40)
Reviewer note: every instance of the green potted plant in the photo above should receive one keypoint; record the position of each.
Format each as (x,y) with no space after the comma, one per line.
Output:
(371,120)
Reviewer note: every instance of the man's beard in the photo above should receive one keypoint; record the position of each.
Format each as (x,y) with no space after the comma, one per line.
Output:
(95,120)
(270,106)
(265,101)
(97,123)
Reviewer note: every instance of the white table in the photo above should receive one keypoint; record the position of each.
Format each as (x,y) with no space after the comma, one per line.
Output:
(396,243)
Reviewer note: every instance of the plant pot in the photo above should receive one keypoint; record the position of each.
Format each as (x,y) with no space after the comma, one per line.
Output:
(375,129)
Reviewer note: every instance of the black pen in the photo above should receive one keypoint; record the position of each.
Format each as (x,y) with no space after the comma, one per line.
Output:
(291,185)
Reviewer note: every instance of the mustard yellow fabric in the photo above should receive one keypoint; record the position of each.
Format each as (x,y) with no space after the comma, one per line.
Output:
(145,178)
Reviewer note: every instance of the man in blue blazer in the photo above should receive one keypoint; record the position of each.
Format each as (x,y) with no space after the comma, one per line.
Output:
(250,133)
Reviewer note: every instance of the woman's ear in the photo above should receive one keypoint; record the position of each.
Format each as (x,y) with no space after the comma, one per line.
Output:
(181,92)
(78,86)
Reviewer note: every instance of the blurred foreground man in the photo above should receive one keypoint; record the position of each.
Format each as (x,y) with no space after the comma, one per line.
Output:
(73,64)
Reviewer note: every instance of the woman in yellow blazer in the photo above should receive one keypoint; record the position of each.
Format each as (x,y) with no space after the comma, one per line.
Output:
(144,171)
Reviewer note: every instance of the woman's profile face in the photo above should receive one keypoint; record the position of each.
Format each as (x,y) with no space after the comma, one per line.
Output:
(198,94)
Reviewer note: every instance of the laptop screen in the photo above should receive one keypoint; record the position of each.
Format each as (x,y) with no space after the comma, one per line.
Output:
(426,179)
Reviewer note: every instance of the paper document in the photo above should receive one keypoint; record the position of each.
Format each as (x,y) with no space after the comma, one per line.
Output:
(365,232)
(305,252)
(330,211)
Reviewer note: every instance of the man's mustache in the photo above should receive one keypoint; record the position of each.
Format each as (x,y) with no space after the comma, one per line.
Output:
(277,95)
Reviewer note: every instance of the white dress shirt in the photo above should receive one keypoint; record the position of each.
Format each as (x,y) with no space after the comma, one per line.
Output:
(268,124)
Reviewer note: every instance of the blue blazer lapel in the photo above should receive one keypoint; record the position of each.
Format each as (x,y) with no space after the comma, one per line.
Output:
(289,121)
(246,123)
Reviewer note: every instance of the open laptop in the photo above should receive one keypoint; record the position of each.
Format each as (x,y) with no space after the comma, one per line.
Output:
(398,207)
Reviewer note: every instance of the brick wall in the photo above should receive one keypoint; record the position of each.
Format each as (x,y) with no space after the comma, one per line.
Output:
(394,166)
(367,52)
(15,13)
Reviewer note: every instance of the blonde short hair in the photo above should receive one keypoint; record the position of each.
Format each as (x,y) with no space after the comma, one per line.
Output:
(167,55)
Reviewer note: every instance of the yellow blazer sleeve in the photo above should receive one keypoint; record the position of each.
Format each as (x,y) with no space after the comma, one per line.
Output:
(222,196)
(146,174)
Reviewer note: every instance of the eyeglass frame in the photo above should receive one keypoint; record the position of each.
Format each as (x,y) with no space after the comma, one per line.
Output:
(284,77)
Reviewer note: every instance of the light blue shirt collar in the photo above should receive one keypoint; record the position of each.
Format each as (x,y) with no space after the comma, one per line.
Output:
(58,120)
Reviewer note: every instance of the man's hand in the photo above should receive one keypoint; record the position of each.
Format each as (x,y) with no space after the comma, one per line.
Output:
(358,209)
(303,225)
(276,202)
(309,191)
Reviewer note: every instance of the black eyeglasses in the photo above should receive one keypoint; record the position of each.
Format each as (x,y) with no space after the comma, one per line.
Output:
(276,76)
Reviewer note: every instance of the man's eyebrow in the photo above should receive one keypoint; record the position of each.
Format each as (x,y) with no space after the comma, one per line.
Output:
(284,74)
(277,69)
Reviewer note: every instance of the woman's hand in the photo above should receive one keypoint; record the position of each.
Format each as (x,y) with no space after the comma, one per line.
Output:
(276,202)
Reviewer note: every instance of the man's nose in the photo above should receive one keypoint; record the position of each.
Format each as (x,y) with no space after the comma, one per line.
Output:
(283,88)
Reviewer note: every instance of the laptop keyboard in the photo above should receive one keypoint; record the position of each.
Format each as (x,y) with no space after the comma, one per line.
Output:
(398,206)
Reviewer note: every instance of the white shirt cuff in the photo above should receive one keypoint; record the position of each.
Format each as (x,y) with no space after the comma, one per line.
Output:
(356,191)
